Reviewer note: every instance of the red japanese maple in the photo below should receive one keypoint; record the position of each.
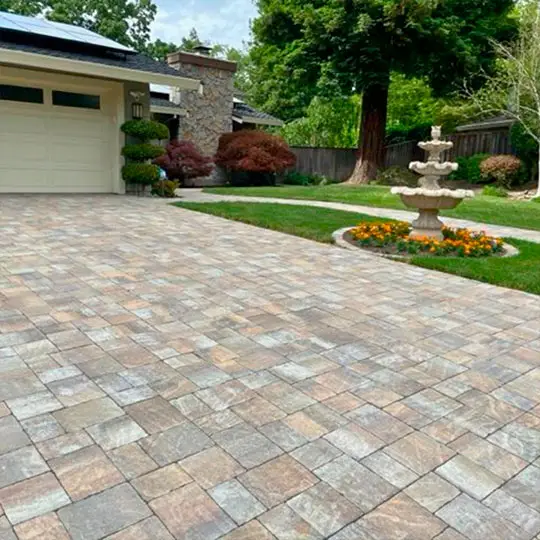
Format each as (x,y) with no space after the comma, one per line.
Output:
(183,160)
(254,151)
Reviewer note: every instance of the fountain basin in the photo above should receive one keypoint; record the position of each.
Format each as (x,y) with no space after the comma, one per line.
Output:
(443,199)
(429,202)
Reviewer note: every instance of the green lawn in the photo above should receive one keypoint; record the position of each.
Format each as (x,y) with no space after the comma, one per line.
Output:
(495,210)
(520,272)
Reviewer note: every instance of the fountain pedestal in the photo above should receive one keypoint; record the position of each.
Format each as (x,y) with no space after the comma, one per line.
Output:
(429,198)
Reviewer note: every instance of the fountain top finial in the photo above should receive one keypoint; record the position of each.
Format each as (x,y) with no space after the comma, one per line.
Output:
(436,133)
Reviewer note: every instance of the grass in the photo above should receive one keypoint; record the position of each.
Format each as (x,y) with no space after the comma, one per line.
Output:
(494,210)
(519,272)
(305,221)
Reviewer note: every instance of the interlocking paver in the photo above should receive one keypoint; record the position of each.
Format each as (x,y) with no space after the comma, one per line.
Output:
(189,512)
(254,385)
(211,467)
(357,483)
(33,497)
(92,517)
(237,501)
(85,472)
(277,480)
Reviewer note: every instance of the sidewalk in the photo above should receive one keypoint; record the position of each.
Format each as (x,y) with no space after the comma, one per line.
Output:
(197,195)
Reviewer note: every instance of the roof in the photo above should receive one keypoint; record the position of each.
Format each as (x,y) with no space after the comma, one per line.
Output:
(138,61)
(26,49)
(244,113)
(160,105)
(496,122)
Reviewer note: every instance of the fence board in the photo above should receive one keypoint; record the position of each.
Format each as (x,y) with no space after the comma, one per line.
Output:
(338,163)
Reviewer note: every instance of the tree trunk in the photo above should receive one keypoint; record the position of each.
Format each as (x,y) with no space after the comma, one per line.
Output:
(372,134)
(538,178)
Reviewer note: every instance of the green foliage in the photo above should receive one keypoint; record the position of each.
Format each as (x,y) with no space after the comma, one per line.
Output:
(411,103)
(398,134)
(145,130)
(295,178)
(494,191)
(331,123)
(140,173)
(525,147)
(142,152)
(469,169)
(396,176)
(165,188)
(303,49)
(29,8)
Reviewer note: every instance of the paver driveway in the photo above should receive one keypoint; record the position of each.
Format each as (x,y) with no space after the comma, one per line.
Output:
(167,374)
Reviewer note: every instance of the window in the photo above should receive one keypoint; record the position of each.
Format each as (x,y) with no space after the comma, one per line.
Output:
(71,99)
(24,94)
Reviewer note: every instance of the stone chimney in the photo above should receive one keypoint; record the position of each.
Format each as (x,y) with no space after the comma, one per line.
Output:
(209,109)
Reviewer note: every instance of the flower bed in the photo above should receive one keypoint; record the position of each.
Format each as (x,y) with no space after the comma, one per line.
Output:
(392,237)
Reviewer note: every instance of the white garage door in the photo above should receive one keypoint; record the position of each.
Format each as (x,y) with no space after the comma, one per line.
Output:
(61,142)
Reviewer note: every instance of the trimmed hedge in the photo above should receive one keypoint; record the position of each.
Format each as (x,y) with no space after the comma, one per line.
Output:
(140,173)
(142,152)
(145,130)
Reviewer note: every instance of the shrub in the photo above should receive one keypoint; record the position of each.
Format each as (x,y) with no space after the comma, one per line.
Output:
(469,169)
(526,149)
(257,155)
(145,130)
(182,160)
(397,176)
(165,188)
(494,191)
(140,173)
(295,178)
(400,134)
(142,152)
(504,170)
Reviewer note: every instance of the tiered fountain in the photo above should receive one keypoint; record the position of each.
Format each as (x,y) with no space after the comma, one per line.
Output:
(429,197)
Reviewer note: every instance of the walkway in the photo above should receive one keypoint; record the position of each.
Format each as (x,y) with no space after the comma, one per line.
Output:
(168,374)
(197,195)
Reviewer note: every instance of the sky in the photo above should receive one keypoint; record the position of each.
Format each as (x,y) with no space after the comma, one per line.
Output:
(218,21)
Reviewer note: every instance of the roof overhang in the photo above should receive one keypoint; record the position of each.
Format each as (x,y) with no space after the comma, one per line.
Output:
(487,124)
(168,110)
(261,121)
(91,69)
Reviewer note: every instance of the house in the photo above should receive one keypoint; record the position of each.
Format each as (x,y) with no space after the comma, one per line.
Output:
(64,93)
(214,109)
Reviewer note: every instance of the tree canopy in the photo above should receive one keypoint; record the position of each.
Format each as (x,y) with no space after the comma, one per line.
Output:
(304,49)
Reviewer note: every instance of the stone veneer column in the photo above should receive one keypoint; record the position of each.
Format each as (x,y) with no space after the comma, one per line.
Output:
(209,114)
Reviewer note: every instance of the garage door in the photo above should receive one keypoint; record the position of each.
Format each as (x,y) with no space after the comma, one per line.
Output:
(54,141)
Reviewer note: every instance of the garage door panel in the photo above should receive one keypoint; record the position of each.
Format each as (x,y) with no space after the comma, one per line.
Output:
(94,156)
(22,122)
(81,181)
(19,151)
(47,149)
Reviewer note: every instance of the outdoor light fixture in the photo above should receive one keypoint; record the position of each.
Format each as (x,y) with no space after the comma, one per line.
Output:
(137,108)
(201,89)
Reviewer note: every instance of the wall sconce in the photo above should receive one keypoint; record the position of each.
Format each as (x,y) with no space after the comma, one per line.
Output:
(137,108)
(201,89)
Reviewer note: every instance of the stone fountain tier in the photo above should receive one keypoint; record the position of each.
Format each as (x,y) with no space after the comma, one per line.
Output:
(429,197)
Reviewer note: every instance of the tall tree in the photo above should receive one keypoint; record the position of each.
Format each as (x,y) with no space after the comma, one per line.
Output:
(515,90)
(328,47)
(124,21)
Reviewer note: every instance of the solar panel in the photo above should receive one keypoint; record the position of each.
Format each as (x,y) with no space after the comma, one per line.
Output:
(65,32)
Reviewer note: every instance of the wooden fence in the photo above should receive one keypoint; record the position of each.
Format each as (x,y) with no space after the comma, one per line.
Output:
(338,163)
